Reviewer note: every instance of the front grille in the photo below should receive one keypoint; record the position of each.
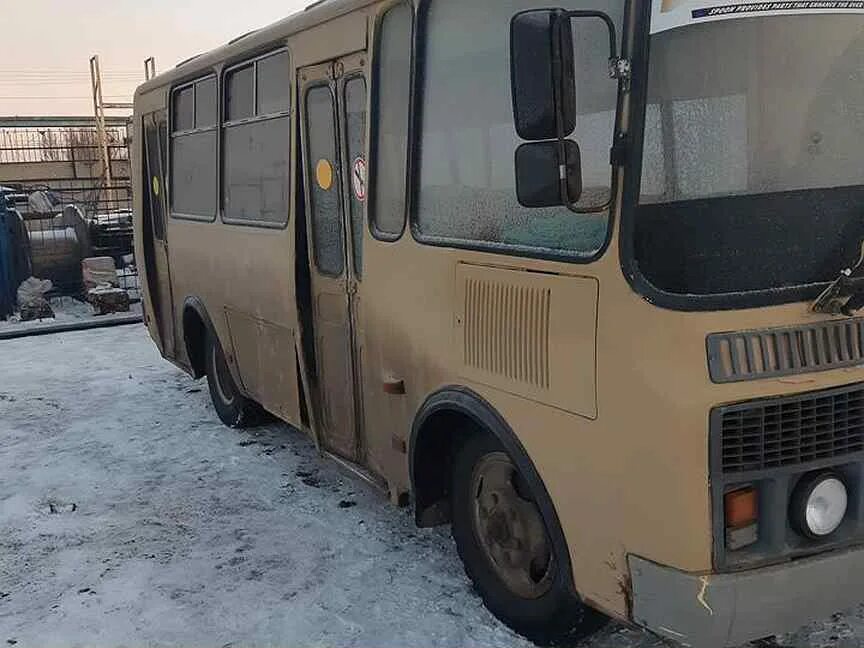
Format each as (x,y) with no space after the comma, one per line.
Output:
(751,355)
(791,431)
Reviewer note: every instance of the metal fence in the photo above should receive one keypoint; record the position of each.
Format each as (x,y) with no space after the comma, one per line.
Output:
(92,199)
(57,144)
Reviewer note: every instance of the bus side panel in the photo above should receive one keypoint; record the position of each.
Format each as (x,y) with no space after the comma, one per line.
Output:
(528,333)
(260,348)
(413,333)
(244,276)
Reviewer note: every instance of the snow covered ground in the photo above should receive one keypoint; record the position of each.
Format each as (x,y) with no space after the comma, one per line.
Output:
(66,311)
(130,517)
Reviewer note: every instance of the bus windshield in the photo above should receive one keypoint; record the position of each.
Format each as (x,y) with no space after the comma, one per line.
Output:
(753,156)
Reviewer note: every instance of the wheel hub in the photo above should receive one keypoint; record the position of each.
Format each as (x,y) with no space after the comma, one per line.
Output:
(499,528)
(510,529)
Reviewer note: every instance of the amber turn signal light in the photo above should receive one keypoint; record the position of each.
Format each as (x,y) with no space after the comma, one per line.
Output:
(742,508)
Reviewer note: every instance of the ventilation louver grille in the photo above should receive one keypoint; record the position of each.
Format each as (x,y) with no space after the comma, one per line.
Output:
(506,331)
(792,431)
(750,355)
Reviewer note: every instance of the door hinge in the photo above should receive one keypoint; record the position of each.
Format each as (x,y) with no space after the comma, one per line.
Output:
(353,286)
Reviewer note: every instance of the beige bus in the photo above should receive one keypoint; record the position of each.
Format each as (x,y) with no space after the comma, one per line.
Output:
(580,282)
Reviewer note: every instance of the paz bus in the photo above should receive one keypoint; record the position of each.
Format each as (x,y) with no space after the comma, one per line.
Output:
(581,281)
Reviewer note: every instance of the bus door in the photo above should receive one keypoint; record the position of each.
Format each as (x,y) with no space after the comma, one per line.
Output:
(156,266)
(333,107)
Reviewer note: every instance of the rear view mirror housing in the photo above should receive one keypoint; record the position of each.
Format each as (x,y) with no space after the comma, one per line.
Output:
(539,168)
(542,74)
(543,79)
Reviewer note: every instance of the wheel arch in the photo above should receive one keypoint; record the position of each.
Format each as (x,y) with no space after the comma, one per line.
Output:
(197,325)
(432,441)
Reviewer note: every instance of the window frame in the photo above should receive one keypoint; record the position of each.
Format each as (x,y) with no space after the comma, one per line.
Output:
(192,131)
(225,124)
(415,133)
(373,116)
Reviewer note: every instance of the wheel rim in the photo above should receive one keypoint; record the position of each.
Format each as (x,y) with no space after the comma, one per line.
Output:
(222,377)
(510,529)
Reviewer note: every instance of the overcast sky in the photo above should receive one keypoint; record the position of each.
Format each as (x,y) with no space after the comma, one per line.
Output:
(46,45)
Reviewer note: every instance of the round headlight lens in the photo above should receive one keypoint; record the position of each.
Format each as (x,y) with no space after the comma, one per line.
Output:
(820,505)
(826,506)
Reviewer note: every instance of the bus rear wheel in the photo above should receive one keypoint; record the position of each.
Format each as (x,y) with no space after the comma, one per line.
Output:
(506,548)
(232,408)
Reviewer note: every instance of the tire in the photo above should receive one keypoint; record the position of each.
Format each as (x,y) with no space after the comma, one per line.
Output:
(533,598)
(233,409)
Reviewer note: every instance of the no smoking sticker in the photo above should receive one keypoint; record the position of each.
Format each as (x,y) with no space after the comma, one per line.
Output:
(358,178)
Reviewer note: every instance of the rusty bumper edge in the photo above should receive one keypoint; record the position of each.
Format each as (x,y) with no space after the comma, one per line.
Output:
(721,610)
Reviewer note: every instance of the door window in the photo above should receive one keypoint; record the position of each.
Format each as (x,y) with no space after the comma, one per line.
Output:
(154,177)
(355,143)
(322,171)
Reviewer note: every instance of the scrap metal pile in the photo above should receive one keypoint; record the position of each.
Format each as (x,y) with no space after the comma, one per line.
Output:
(59,249)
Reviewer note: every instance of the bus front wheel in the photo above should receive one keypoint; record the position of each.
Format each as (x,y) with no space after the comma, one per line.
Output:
(233,409)
(506,549)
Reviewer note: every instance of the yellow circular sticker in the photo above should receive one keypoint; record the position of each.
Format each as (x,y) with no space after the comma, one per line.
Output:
(324,174)
(155,185)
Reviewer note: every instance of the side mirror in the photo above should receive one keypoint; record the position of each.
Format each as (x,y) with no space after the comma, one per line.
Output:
(542,74)
(538,173)
(543,79)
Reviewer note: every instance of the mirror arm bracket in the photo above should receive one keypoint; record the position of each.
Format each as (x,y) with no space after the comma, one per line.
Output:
(617,157)
(620,68)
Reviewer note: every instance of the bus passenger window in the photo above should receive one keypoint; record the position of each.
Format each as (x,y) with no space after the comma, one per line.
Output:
(274,84)
(206,108)
(240,98)
(392,92)
(257,142)
(193,150)
(466,183)
(184,108)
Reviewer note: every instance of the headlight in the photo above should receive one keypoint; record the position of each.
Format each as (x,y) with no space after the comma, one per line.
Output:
(819,504)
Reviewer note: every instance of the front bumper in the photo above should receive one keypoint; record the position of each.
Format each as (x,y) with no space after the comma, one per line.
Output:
(720,610)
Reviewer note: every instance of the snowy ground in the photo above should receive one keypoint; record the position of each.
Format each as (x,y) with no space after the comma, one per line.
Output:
(130,517)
